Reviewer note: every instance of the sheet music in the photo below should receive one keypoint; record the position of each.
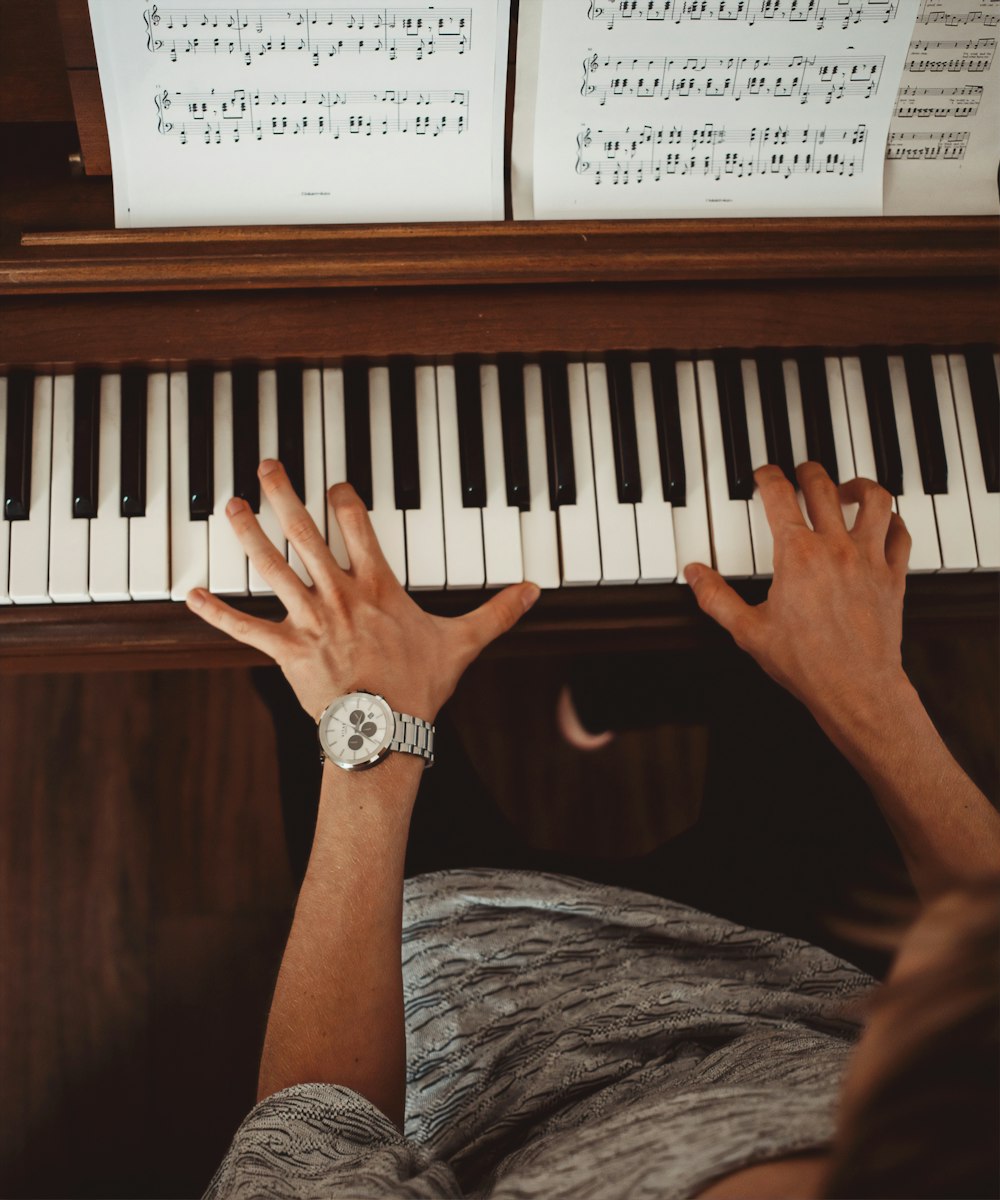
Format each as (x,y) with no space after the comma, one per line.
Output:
(220,115)
(944,140)
(652,108)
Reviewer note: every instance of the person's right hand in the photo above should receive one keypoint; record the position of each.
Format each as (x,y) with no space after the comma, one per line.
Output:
(831,626)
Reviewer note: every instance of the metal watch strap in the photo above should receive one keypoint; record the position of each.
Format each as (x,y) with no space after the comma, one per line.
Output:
(413,735)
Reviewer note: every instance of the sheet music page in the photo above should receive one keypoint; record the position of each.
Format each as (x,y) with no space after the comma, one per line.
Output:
(944,140)
(654,108)
(220,115)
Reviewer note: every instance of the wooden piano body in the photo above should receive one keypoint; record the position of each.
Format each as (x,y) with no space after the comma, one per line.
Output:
(75,291)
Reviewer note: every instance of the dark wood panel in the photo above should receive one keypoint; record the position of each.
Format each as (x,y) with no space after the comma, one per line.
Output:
(313,326)
(32,66)
(500,253)
(77,38)
(572,620)
(91,123)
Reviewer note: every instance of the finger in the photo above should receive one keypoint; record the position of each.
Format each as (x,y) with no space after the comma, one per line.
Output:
(500,613)
(897,545)
(780,505)
(871,525)
(267,558)
(716,598)
(297,525)
(362,546)
(265,636)
(822,498)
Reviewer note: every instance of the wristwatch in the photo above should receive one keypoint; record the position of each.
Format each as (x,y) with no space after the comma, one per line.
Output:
(358,730)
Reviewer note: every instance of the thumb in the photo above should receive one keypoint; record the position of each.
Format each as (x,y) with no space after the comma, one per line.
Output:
(716,598)
(500,613)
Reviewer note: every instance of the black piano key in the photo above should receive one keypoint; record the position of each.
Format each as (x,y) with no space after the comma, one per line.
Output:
(133,442)
(510,371)
(403,409)
(816,414)
(666,407)
(246,434)
(201,442)
(882,419)
(774,409)
(86,440)
(735,436)
(17,468)
(986,406)
(471,456)
(623,431)
(291,449)
(558,430)
(357,429)
(926,421)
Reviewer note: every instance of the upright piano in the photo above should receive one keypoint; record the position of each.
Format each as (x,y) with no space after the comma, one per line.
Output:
(578,402)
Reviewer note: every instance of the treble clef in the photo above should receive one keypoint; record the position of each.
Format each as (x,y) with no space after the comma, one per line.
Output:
(583,140)
(162,104)
(152,19)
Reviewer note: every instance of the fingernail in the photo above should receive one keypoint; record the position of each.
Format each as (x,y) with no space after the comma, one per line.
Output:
(196,598)
(267,466)
(234,506)
(693,572)
(530,595)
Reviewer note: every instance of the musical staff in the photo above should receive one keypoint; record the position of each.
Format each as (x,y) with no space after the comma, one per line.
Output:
(988,16)
(841,14)
(969,55)
(797,77)
(630,157)
(944,144)
(213,117)
(317,32)
(923,103)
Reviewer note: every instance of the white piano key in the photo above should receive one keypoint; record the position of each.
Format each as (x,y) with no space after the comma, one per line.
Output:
(267,446)
(4,524)
(730,519)
(463,527)
(857,413)
(539,536)
(985,505)
(761,539)
(227,562)
(29,540)
(501,521)
(913,504)
(692,531)
(654,520)
(386,518)
(69,536)
(188,539)
(619,544)
(796,425)
(579,539)
(313,463)
(335,449)
(149,536)
(841,432)
(954,515)
(109,529)
(425,564)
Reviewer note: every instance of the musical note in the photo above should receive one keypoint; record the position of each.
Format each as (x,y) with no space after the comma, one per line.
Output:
(784,77)
(319,33)
(966,55)
(938,103)
(631,157)
(946,144)
(213,117)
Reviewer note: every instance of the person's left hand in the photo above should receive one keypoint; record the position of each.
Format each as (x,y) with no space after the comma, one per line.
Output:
(354,629)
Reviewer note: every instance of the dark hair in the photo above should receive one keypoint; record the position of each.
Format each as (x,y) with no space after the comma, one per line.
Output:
(929,1124)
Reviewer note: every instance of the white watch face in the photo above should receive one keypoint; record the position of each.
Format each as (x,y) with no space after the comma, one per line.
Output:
(355,731)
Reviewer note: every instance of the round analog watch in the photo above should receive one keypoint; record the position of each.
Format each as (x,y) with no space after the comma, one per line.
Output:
(359,730)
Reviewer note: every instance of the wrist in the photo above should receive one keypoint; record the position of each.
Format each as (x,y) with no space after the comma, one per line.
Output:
(881,711)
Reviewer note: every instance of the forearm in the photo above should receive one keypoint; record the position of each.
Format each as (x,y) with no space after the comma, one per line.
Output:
(946,829)
(337,1012)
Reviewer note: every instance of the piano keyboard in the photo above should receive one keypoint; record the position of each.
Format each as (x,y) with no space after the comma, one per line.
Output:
(479,473)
